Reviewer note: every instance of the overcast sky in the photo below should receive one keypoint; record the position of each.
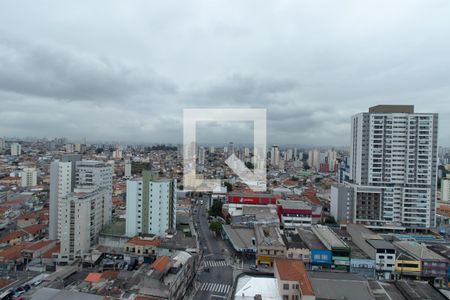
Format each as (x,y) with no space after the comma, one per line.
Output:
(124,70)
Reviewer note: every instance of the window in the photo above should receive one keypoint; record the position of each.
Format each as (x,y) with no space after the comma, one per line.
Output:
(286,286)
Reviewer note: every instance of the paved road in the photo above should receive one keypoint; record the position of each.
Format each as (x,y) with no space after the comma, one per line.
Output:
(218,282)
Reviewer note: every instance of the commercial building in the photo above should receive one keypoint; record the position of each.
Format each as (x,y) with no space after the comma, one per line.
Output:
(151,205)
(16,149)
(393,168)
(251,198)
(294,213)
(433,265)
(340,251)
(269,244)
(376,248)
(28,177)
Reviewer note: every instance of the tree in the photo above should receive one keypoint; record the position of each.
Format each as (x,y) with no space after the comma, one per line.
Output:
(216,227)
(229,186)
(216,209)
(330,220)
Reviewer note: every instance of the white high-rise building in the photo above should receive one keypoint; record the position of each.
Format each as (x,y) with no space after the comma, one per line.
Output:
(62,182)
(16,149)
(289,154)
(246,152)
(28,177)
(275,156)
(331,159)
(393,163)
(117,154)
(69,173)
(212,150)
(83,214)
(151,205)
(127,169)
(445,189)
(314,159)
(2,145)
(201,155)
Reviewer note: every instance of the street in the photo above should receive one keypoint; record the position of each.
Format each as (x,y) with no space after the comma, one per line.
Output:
(215,278)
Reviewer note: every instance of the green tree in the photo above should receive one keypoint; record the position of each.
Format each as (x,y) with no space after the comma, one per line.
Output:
(216,209)
(228,186)
(216,227)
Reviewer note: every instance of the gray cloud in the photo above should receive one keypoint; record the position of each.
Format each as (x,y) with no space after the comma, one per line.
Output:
(126,74)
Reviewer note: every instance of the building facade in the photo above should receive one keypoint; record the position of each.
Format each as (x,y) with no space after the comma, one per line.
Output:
(393,166)
(83,214)
(16,149)
(28,177)
(151,205)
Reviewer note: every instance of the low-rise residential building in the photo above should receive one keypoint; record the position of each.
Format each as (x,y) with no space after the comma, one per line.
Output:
(293,280)
(143,246)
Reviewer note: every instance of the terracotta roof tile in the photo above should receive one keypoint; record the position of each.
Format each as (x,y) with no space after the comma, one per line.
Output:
(144,242)
(161,263)
(294,270)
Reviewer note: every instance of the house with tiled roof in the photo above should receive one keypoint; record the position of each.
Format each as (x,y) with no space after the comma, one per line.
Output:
(142,246)
(293,279)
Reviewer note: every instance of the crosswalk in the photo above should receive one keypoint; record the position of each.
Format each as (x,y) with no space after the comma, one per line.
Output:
(215,263)
(218,288)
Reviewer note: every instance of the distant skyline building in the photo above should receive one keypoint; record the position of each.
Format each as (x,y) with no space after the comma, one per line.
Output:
(393,168)
(2,145)
(275,155)
(127,169)
(201,155)
(151,205)
(28,177)
(445,189)
(230,149)
(16,149)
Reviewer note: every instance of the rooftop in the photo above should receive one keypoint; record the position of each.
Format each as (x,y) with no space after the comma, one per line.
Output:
(140,241)
(294,270)
(418,251)
(268,236)
(328,237)
(392,109)
(347,286)
(240,237)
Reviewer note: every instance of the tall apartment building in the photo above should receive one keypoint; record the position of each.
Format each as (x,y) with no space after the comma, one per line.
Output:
(28,177)
(62,182)
(72,173)
(393,167)
(314,159)
(2,145)
(445,189)
(151,205)
(16,149)
(275,156)
(83,214)
(127,169)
